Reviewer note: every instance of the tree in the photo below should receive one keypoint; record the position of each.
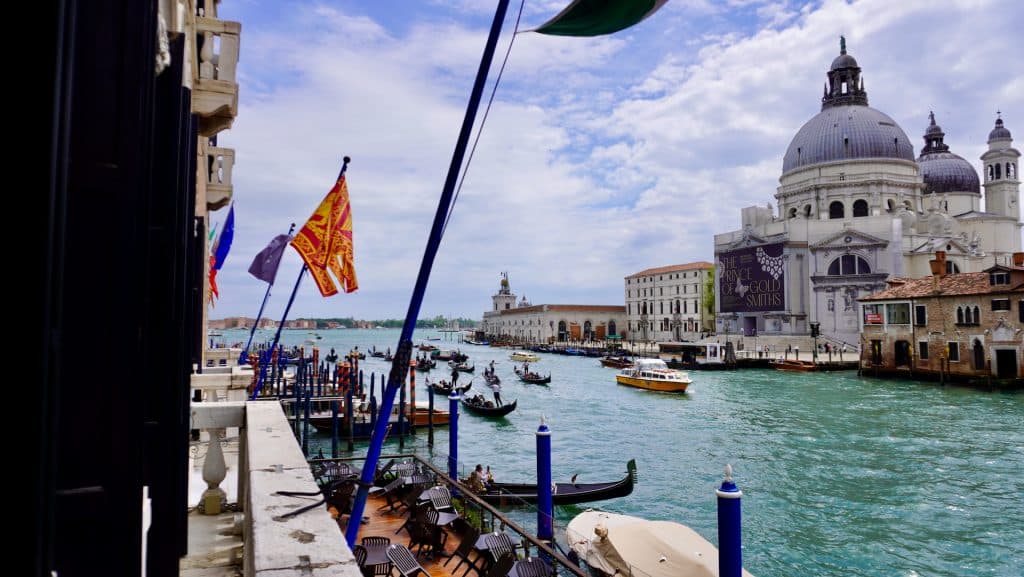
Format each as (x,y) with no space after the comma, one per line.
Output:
(709,292)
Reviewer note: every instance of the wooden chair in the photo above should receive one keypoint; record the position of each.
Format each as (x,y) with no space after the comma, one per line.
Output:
(375,540)
(532,567)
(467,553)
(403,560)
(441,499)
(392,493)
(498,545)
(502,566)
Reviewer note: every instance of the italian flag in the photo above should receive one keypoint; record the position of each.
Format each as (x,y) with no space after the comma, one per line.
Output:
(598,17)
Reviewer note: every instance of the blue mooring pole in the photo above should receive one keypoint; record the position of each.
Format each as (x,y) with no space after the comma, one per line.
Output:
(730,538)
(545,508)
(453,435)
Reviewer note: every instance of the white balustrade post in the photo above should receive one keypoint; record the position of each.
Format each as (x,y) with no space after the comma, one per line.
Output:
(214,498)
(206,68)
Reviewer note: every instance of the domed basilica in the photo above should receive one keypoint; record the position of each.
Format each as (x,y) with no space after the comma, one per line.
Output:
(856,207)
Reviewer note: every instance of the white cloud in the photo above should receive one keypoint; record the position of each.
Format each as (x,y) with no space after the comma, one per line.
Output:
(601,157)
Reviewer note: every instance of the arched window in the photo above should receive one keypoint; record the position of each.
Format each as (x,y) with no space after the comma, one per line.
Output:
(612,329)
(999,171)
(792,213)
(991,172)
(847,265)
(860,208)
(977,315)
(836,210)
(677,306)
(968,319)
(960,316)
(891,204)
(1009,170)
(807,210)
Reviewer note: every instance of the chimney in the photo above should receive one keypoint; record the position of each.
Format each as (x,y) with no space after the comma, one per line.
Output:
(938,265)
(1018,259)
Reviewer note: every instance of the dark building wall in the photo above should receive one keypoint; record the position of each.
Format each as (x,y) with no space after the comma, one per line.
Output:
(115,242)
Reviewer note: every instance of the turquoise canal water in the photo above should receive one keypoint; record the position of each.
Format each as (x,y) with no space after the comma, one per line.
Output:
(841,475)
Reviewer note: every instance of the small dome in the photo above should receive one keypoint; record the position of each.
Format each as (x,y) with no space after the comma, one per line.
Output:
(942,170)
(947,172)
(999,131)
(844,61)
(846,133)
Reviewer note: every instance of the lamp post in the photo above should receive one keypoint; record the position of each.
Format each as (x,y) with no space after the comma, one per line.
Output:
(815,330)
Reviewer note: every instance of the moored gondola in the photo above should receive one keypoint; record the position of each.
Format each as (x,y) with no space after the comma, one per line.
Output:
(511,494)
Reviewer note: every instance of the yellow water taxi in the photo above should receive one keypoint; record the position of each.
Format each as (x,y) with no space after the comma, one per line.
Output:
(653,375)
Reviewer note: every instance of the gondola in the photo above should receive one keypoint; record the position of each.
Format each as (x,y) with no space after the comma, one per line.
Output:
(511,494)
(478,406)
(533,378)
(424,364)
(445,388)
(461,367)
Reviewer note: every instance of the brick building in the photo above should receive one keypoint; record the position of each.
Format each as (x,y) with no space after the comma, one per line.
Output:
(948,326)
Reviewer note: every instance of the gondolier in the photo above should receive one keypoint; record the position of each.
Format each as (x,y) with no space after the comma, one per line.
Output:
(496,388)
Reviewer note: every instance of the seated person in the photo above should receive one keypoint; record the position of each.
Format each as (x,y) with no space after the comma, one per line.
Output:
(477,482)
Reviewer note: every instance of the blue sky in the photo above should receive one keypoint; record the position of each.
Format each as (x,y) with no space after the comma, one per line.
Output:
(600,158)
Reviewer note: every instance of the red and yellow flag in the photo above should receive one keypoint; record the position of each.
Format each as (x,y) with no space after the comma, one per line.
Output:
(325,242)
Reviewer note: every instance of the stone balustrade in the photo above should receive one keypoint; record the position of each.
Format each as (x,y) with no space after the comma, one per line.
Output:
(215,95)
(268,460)
(219,164)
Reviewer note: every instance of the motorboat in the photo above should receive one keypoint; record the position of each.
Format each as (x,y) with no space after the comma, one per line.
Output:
(653,375)
(615,544)
(524,357)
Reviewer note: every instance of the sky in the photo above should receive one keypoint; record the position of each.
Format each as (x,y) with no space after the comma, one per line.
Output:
(599,158)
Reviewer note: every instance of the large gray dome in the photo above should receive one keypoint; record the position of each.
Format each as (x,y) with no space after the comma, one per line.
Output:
(847,133)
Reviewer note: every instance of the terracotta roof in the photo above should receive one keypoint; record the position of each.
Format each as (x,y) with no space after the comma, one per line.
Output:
(971,283)
(699,265)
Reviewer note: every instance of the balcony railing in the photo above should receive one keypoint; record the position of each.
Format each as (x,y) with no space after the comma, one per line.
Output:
(219,163)
(215,98)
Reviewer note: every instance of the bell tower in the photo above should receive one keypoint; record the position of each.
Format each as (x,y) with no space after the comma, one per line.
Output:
(1000,167)
(504,299)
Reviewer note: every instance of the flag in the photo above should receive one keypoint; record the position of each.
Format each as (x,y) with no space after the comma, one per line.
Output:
(264,266)
(220,250)
(599,17)
(325,242)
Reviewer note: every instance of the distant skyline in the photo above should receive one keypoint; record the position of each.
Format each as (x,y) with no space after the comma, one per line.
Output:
(600,158)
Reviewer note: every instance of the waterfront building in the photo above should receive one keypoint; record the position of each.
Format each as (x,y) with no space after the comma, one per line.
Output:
(959,326)
(667,303)
(528,323)
(854,207)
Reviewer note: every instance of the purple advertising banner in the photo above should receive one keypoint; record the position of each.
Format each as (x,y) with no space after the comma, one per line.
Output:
(752,279)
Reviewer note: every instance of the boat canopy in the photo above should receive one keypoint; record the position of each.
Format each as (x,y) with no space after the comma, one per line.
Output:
(641,547)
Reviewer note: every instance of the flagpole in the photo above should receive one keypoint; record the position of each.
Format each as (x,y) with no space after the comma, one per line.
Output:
(403,353)
(291,299)
(243,358)
(277,336)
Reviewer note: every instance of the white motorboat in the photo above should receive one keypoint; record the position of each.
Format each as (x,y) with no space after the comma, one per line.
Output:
(612,544)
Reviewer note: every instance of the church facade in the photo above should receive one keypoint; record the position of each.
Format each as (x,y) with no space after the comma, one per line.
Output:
(856,207)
